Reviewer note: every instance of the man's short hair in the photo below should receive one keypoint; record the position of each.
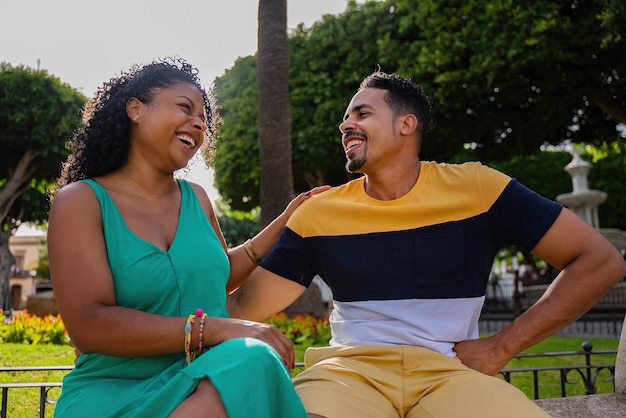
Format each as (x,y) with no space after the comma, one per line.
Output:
(403,97)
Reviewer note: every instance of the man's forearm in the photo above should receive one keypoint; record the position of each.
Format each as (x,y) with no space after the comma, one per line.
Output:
(262,295)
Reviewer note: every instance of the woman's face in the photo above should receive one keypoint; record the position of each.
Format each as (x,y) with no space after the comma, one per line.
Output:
(170,128)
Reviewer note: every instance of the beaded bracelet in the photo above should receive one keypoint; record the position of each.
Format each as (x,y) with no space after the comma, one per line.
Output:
(251,253)
(190,355)
(201,331)
(188,325)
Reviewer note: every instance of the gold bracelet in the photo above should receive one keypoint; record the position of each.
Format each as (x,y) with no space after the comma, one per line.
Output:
(251,253)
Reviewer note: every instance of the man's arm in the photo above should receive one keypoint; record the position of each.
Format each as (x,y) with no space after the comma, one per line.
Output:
(262,295)
(590,265)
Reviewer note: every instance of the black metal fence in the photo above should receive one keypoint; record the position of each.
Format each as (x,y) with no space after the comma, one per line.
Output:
(585,374)
(44,387)
(511,293)
(592,324)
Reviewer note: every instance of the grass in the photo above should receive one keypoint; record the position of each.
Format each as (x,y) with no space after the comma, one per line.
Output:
(24,403)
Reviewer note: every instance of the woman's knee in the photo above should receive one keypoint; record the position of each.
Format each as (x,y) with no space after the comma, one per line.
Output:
(254,352)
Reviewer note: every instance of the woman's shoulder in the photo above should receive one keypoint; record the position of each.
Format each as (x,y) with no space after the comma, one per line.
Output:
(74,210)
(75,197)
(198,190)
(75,190)
(200,194)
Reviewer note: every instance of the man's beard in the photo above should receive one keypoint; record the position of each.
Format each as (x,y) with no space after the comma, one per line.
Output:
(355,164)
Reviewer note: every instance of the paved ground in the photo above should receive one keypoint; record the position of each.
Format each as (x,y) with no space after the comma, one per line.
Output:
(609,405)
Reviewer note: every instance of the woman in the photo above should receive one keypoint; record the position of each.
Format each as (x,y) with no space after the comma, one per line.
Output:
(140,268)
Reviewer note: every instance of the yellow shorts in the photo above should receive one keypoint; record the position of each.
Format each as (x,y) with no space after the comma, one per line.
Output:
(385,381)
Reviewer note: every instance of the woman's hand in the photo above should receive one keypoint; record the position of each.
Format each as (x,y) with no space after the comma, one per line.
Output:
(261,244)
(297,201)
(224,329)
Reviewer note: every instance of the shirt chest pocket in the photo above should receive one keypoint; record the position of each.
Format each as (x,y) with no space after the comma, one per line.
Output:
(439,261)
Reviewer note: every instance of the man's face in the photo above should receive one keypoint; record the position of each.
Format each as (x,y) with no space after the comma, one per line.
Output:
(367,130)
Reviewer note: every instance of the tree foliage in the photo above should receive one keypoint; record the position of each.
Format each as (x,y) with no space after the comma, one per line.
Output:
(237,226)
(328,63)
(505,77)
(607,175)
(533,170)
(510,76)
(237,168)
(320,84)
(37,115)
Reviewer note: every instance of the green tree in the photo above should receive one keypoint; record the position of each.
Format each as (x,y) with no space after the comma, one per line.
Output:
(236,163)
(37,115)
(533,170)
(320,85)
(607,175)
(43,265)
(505,78)
(509,76)
(328,61)
(237,226)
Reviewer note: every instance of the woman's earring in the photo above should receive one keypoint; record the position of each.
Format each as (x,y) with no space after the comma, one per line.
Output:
(136,118)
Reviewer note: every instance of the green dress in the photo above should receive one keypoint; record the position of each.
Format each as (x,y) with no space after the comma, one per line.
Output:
(192,274)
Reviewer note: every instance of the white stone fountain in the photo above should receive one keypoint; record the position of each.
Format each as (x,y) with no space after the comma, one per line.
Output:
(584,201)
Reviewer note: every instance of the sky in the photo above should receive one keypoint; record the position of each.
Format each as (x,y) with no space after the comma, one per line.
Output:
(84,43)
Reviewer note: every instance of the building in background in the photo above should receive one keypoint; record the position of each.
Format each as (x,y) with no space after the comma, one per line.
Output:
(22,282)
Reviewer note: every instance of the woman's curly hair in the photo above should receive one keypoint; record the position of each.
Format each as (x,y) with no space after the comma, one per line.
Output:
(101,144)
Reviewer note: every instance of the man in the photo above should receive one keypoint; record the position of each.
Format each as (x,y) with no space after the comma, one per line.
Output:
(406,250)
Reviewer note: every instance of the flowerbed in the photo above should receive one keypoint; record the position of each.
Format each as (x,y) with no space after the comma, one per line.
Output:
(303,329)
(24,328)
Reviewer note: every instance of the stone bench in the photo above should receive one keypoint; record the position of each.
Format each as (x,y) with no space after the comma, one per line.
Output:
(609,405)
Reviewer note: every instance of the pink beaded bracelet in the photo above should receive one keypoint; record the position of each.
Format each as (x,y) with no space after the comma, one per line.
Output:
(201,330)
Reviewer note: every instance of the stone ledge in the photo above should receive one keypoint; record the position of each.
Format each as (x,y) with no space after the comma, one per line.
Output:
(608,405)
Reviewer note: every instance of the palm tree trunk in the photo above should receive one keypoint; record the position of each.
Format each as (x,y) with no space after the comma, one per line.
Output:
(274,115)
